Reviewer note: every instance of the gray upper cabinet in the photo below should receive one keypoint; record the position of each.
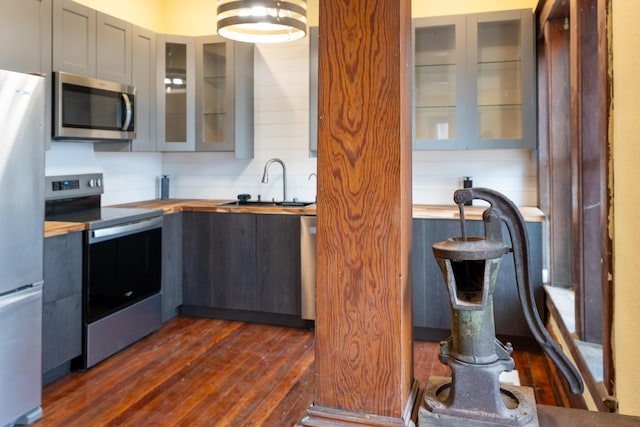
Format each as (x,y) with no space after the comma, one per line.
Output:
(74,38)
(143,77)
(175,96)
(94,44)
(28,21)
(90,43)
(474,81)
(224,96)
(193,93)
(205,95)
(114,47)
(439,83)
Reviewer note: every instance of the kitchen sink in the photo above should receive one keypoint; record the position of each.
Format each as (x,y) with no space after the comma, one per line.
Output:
(261,203)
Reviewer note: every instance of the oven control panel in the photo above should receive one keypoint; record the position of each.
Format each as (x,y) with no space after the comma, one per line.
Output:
(70,186)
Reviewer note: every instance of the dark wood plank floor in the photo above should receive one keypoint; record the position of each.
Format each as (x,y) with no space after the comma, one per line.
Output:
(204,372)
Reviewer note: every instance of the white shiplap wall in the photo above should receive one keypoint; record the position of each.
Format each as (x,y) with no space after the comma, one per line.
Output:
(128,177)
(282,131)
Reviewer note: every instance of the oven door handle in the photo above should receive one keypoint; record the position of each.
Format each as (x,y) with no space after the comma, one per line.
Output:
(109,233)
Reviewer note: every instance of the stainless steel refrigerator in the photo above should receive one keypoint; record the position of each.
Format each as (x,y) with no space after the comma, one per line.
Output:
(21,246)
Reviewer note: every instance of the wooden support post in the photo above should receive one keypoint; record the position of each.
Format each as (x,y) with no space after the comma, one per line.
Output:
(364,356)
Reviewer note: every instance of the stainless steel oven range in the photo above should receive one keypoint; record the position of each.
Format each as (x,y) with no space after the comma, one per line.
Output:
(121,265)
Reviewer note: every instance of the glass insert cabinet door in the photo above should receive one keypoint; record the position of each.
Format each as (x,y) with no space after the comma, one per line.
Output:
(215,76)
(176,90)
(224,96)
(205,95)
(502,63)
(214,97)
(439,84)
(474,80)
(175,94)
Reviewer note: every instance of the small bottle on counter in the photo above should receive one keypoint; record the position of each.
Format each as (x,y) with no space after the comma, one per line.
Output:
(164,187)
(467,182)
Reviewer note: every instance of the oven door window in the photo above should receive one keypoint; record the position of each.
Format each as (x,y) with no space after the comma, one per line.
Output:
(121,272)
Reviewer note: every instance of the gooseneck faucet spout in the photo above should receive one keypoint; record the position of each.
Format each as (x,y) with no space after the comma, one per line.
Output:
(265,176)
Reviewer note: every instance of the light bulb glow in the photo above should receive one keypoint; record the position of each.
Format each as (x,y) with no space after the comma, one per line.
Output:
(262,21)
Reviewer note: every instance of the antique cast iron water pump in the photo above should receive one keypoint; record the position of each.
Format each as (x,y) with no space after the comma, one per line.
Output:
(474,395)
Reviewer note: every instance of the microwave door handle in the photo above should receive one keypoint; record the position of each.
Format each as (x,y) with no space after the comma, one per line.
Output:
(128,110)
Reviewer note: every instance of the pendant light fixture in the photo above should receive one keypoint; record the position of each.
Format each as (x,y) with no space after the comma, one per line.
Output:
(262,21)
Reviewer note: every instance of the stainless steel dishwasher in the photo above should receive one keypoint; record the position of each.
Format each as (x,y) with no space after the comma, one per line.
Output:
(308,266)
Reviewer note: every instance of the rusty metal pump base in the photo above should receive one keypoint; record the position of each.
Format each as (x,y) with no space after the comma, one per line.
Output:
(437,391)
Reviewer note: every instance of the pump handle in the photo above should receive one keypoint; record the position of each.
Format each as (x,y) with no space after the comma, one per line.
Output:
(512,218)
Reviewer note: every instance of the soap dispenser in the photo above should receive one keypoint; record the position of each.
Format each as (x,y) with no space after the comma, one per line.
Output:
(467,182)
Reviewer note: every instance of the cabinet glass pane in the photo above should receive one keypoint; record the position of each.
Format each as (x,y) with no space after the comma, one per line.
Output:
(175,82)
(215,81)
(499,80)
(435,85)
(435,82)
(436,123)
(499,83)
(435,45)
(500,122)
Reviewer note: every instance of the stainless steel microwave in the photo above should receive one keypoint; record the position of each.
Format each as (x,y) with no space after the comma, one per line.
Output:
(91,109)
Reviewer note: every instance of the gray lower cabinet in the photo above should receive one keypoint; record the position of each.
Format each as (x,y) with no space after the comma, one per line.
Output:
(219,260)
(62,304)
(431,299)
(242,267)
(171,264)
(278,263)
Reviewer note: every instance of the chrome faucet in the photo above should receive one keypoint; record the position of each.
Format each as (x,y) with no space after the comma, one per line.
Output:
(312,175)
(265,176)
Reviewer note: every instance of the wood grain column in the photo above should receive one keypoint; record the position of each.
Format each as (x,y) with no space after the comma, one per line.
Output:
(364,359)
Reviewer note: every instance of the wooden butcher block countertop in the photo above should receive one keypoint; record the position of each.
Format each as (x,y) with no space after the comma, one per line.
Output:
(56,228)
(528,213)
(212,205)
(419,211)
(53,228)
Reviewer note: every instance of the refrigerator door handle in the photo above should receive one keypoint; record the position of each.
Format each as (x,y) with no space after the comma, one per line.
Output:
(22,295)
